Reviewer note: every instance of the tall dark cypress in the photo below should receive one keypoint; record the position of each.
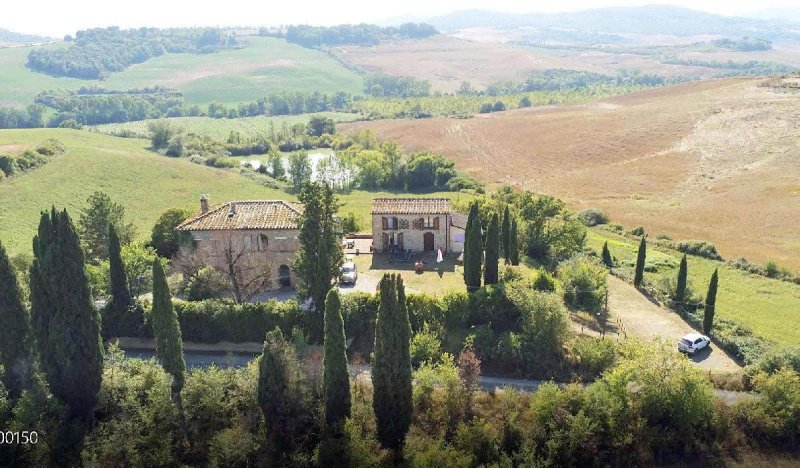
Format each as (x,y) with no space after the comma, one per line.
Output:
(120,294)
(640,259)
(15,339)
(514,249)
(64,321)
(607,260)
(391,366)
(279,394)
(336,384)
(711,303)
(490,272)
(505,240)
(473,250)
(680,288)
(167,331)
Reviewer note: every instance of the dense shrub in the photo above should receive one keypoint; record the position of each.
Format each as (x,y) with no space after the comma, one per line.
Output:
(592,356)
(583,283)
(213,321)
(700,248)
(425,346)
(774,417)
(592,217)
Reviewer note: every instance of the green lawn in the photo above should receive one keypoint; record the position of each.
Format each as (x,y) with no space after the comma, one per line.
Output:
(263,66)
(770,307)
(221,128)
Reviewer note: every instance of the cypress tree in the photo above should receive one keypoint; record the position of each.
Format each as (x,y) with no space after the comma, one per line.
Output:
(64,321)
(15,338)
(680,288)
(336,384)
(607,260)
(120,294)
(514,249)
(711,303)
(320,256)
(391,366)
(279,393)
(505,241)
(640,259)
(473,250)
(167,332)
(490,273)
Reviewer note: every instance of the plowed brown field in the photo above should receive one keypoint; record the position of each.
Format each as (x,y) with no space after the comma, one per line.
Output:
(714,160)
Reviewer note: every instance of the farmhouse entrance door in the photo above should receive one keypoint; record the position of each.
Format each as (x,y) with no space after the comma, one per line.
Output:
(428,240)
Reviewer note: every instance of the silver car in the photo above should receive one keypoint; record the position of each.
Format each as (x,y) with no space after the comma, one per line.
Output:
(349,273)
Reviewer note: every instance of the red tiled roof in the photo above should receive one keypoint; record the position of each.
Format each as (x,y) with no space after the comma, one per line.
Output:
(411,206)
(248,214)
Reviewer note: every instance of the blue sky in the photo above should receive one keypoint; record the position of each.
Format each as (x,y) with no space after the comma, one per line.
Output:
(64,16)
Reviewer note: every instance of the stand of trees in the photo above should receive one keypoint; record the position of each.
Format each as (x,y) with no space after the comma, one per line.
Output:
(101,51)
(358,34)
(383,85)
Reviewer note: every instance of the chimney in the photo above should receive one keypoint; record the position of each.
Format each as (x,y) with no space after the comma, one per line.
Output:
(203,204)
(231,209)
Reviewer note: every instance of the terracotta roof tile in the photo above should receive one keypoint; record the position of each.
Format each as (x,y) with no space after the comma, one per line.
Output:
(411,206)
(248,214)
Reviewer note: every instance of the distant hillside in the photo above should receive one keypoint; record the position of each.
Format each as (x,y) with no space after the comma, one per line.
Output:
(11,36)
(650,19)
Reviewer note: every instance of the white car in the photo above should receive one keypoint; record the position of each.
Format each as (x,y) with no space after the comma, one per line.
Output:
(693,342)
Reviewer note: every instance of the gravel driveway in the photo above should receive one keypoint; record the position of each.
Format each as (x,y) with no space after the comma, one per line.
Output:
(647,319)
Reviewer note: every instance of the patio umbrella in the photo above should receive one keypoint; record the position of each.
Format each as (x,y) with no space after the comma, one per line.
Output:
(439,257)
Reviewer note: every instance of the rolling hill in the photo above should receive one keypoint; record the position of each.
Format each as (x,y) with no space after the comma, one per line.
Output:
(143,182)
(713,160)
(263,66)
(643,20)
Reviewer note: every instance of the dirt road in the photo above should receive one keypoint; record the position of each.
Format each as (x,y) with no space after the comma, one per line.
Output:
(646,319)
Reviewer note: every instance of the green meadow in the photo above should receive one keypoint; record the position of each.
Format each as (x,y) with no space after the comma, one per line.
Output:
(771,308)
(263,65)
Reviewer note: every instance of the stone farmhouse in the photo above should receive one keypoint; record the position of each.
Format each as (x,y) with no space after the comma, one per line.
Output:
(416,224)
(259,234)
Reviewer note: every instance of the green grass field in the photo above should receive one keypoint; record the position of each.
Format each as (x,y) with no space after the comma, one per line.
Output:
(19,85)
(144,182)
(221,128)
(771,308)
(263,66)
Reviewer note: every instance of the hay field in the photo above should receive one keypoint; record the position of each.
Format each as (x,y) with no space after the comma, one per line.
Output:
(714,160)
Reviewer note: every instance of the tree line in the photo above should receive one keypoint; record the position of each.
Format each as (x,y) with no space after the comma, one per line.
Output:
(95,53)
(355,34)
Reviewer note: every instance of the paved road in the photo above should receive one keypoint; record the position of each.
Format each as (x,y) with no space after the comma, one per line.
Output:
(647,319)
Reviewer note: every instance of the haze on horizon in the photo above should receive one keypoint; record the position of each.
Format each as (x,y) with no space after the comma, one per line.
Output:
(68,17)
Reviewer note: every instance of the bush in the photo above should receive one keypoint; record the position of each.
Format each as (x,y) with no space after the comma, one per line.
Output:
(207,284)
(775,416)
(425,346)
(637,231)
(359,311)
(544,281)
(592,217)
(583,284)
(592,356)
(215,321)
(699,248)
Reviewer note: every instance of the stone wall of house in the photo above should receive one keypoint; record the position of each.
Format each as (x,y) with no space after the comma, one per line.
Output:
(456,239)
(279,251)
(413,233)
